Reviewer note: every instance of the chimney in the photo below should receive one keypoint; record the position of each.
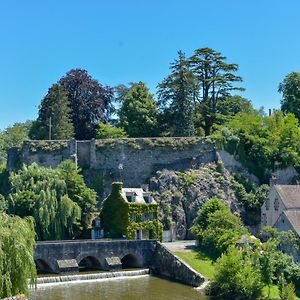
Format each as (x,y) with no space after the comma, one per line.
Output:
(273,180)
(270,112)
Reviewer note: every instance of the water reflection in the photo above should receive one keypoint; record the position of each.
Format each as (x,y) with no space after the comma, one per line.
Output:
(145,288)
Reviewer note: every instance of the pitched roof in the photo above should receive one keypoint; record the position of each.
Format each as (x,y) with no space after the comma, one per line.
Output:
(139,193)
(294,218)
(289,194)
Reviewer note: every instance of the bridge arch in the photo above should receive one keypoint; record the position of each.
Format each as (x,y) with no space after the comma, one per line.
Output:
(43,267)
(131,260)
(88,263)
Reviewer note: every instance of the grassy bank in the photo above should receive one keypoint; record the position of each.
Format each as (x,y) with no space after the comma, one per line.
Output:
(205,265)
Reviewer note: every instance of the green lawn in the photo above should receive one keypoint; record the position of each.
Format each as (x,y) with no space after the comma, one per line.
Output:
(204,264)
(199,261)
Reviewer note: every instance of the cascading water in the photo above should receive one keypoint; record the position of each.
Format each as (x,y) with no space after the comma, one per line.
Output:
(90,277)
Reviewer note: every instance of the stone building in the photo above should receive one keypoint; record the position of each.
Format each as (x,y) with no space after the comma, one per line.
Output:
(282,208)
(130,213)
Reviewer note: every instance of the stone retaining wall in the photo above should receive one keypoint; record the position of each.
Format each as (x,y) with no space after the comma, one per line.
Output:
(170,266)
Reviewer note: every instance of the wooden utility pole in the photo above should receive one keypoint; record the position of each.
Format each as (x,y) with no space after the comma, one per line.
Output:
(50,128)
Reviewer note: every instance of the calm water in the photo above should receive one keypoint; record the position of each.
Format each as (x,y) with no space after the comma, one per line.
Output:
(139,288)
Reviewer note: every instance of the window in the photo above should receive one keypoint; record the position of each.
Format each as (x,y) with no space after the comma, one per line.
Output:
(276,204)
(267,204)
(133,217)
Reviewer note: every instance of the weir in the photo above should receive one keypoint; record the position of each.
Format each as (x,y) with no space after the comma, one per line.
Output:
(92,276)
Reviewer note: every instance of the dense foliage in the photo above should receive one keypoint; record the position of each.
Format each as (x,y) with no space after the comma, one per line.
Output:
(13,136)
(262,144)
(138,112)
(123,219)
(216,227)
(89,101)
(17,238)
(237,275)
(177,96)
(54,120)
(241,272)
(77,190)
(290,89)
(106,131)
(42,193)
(216,79)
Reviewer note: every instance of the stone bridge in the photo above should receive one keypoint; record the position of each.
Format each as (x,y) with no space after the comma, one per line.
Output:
(66,256)
(85,255)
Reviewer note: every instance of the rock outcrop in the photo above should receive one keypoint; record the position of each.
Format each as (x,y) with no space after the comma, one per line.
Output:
(180,195)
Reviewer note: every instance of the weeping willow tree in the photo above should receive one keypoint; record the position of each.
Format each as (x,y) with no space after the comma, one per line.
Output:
(42,193)
(16,255)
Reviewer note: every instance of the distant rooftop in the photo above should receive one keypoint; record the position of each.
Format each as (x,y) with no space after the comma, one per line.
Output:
(290,195)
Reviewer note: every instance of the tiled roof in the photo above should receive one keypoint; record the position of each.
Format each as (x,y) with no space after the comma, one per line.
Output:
(294,218)
(289,194)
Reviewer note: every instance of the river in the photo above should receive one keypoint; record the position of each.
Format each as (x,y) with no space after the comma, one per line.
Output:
(133,288)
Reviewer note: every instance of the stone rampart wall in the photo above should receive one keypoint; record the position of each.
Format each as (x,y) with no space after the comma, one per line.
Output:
(132,161)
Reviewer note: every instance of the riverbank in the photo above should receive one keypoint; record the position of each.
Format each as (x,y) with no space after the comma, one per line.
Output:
(205,265)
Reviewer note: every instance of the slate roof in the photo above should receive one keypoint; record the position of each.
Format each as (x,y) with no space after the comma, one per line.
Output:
(294,218)
(139,194)
(289,194)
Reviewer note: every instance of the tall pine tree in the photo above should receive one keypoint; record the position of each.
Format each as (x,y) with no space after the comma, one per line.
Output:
(176,94)
(54,120)
(216,79)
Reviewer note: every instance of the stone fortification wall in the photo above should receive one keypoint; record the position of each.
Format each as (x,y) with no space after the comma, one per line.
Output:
(132,161)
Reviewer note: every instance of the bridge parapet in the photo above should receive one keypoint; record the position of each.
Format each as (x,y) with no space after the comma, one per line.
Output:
(94,253)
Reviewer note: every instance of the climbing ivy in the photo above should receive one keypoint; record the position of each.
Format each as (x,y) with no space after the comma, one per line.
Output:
(123,219)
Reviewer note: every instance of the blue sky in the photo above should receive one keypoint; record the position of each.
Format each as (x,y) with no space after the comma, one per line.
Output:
(121,41)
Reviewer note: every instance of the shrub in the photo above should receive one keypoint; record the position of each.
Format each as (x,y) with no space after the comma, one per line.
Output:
(106,131)
(237,276)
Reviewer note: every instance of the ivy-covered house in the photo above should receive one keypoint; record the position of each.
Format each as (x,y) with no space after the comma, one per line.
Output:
(131,213)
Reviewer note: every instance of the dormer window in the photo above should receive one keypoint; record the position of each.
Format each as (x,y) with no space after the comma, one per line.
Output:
(130,197)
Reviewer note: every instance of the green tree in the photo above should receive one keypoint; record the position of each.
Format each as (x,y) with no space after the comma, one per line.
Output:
(268,263)
(216,227)
(106,131)
(3,204)
(54,108)
(262,144)
(13,136)
(290,89)
(286,290)
(177,95)
(77,190)
(231,106)
(42,193)
(224,229)
(201,221)
(16,255)
(216,80)
(138,112)
(237,276)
